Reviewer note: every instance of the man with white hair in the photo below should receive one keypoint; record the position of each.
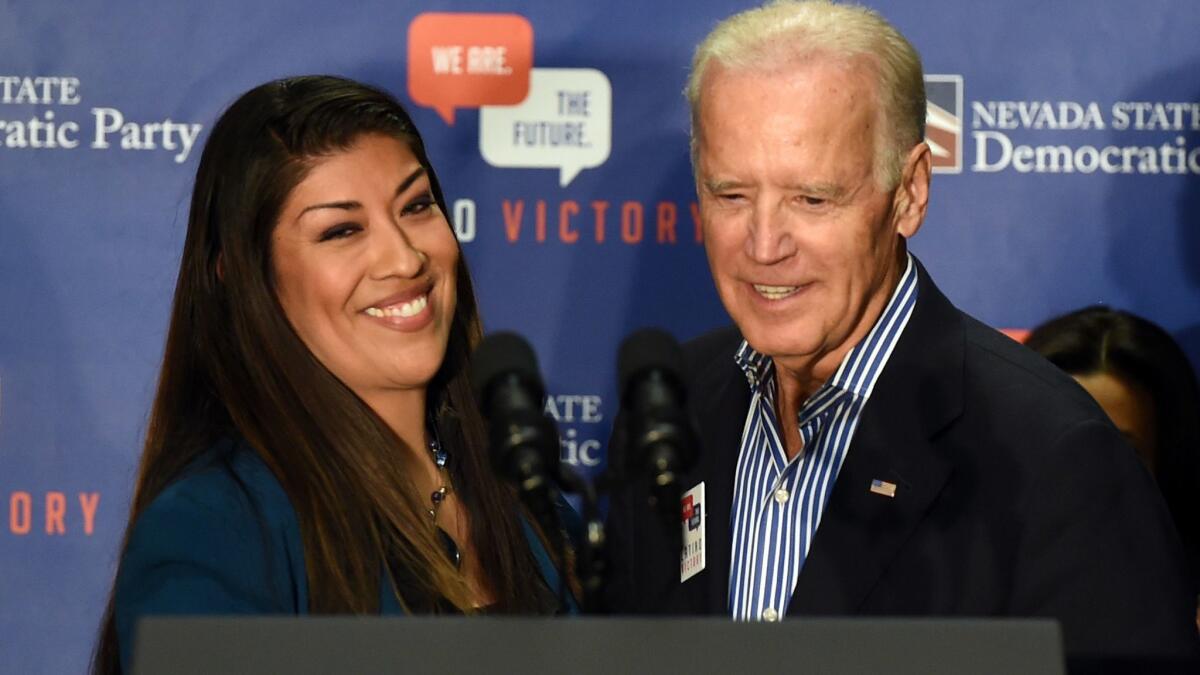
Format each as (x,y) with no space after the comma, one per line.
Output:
(866,448)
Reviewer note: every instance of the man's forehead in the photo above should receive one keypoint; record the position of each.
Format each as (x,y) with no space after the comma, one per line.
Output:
(823,99)
(741,109)
(852,70)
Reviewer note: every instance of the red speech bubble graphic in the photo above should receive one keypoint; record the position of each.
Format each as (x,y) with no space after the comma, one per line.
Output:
(468,60)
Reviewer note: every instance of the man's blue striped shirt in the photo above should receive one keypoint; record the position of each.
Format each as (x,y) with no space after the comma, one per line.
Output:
(777,504)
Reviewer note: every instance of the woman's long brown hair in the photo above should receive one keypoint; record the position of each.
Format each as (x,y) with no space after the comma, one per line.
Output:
(233,366)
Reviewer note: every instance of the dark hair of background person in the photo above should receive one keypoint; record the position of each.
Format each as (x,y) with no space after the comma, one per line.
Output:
(1103,340)
(233,365)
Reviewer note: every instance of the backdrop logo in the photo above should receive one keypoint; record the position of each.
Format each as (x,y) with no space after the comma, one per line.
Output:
(468,60)
(578,417)
(534,118)
(54,513)
(600,220)
(1068,136)
(565,123)
(45,128)
(943,121)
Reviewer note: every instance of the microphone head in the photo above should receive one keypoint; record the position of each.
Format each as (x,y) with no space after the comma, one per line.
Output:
(523,441)
(646,349)
(500,354)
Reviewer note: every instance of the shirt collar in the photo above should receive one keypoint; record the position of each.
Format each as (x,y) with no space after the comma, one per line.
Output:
(753,363)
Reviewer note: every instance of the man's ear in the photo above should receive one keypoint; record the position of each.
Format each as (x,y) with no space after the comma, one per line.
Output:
(911,200)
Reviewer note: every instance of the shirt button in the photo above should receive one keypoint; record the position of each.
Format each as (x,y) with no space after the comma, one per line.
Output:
(769,614)
(781,496)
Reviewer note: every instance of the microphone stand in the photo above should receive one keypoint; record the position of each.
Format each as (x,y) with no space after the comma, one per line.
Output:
(590,559)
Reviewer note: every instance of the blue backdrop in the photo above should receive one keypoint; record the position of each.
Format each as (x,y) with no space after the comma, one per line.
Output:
(1069,138)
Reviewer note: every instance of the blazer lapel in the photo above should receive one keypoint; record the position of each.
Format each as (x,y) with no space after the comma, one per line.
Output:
(720,398)
(918,394)
(721,444)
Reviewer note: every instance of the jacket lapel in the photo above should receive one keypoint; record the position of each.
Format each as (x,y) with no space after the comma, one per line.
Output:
(918,394)
(719,464)
(720,400)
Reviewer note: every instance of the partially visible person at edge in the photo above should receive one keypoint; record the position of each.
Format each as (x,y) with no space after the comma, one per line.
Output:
(314,446)
(1147,386)
(866,447)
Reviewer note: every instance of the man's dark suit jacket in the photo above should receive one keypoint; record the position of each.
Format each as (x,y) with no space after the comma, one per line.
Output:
(1015,497)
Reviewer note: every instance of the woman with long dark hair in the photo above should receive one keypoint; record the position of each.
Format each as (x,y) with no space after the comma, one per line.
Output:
(313,444)
(1146,384)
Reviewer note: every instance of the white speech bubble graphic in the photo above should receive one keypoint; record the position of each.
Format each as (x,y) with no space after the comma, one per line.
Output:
(564,123)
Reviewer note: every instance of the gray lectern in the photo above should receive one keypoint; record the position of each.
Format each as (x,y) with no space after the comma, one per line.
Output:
(181,645)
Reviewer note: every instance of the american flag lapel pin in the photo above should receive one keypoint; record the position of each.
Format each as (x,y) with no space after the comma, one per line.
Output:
(882,487)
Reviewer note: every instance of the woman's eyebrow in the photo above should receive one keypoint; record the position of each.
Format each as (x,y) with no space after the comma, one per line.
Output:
(407,182)
(351,205)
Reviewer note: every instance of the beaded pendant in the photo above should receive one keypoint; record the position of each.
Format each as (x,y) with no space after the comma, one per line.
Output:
(439,458)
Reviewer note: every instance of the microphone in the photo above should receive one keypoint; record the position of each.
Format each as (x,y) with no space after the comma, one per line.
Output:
(657,436)
(524,443)
(525,450)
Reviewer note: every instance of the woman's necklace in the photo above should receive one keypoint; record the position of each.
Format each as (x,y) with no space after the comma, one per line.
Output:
(439,458)
(438,496)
